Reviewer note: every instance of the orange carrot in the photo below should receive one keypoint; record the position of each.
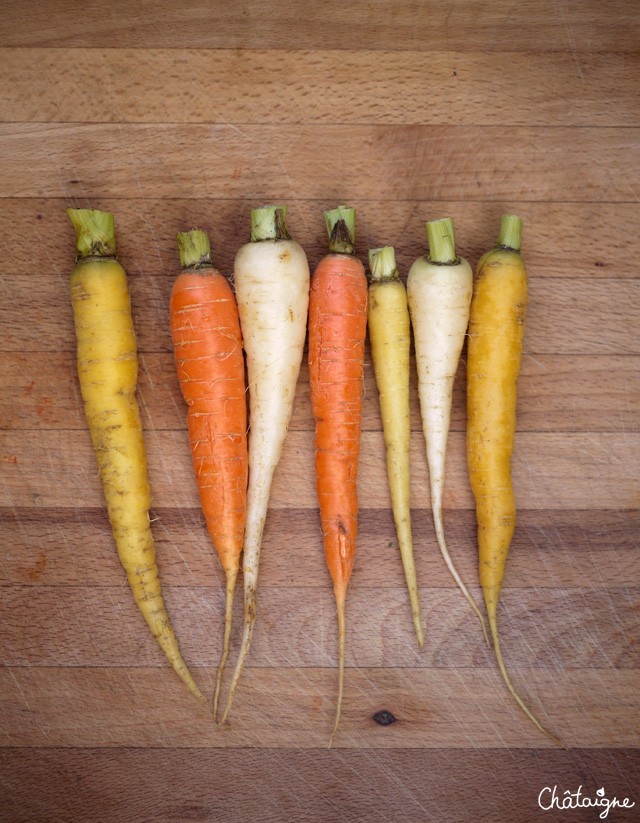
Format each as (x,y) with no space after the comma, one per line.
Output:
(208,347)
(337,329)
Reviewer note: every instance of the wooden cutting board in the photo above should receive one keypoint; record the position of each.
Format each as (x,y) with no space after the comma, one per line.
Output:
(173,117)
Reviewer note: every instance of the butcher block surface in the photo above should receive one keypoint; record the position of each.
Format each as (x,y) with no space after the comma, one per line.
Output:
(179,115)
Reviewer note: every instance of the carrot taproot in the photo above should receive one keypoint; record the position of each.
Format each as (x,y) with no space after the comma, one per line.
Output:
(439,290)
(496,331)
(207,342)
(271,276)
(108,372)
(337,330)
(390,337)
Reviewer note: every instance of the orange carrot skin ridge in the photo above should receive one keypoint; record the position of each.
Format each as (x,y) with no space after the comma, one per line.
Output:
(208,345)
(337,329)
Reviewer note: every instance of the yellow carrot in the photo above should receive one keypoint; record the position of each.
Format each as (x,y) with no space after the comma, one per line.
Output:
(496,331)
(390,337)
(108,372)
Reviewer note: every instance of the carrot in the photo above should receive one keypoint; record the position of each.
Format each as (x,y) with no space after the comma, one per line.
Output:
(272,288)
(390,336)
(337,329)
(496,330)
(108,373)
(439,289)
(207,341)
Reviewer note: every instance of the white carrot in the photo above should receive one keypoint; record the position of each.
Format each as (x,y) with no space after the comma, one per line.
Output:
(439,289)
(272,289)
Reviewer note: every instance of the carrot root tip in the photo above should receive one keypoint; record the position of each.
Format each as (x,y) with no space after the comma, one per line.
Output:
(242,657)
(507,680)
(228,613)
(341,644)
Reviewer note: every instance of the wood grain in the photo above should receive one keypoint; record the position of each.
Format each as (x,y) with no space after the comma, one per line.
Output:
(293,708)
(588,393)
(551,549)
(553,471)
(365,24)
(553,629)
(386,786)
(47,320)
(269,163)
(177,115)
(560,239)
(294,86)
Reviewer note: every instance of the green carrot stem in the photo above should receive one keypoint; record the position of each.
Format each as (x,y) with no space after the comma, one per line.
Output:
(510,232)
(442,241)
(194,248)
(382,264)
(95,232)
(341,228)
(269,223)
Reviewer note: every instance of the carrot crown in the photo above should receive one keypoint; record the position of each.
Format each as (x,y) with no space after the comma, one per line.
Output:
(382,264)
(442,242)
(269,223)
(95,232)
(341,228)
(194,249)
(510,236)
